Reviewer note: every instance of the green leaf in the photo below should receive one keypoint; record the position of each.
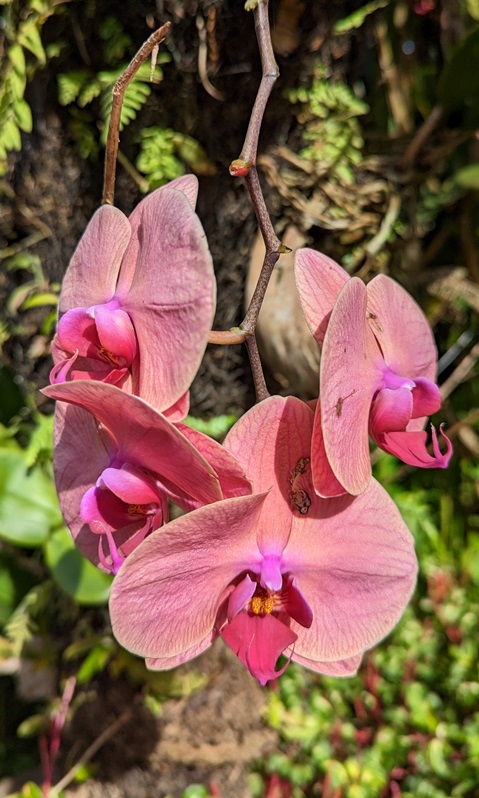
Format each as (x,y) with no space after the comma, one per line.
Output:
(28,502)
(216,427)
(10,135)
(29,38)
(458,87)
(468,176)
(39,300)
(357,18)
(70,84)
(17,59)
(73,572)
(23,115)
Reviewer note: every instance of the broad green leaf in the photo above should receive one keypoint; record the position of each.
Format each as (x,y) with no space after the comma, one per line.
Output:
(468,176)
(28,502)
(73,572)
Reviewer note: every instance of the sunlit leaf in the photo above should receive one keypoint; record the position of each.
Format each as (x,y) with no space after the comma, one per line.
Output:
(73,572)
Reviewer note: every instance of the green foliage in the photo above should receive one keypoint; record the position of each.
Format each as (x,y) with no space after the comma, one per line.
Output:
(163,152)
(459,83)
(24,53)
(81,87)
(329,114)
(156,159)
(215,427)
(73,572)
(357,18)
(410,715)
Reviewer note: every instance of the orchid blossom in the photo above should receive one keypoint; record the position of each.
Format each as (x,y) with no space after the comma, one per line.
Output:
(138,299)
(117,461)
(377,374)
(280,571)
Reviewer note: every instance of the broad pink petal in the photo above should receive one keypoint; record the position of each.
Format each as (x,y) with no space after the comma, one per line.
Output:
(93,271)
(144,437)
(171,299)
(179,410)
(166,597)
(353,561)
(231,475)
(411,448)
(319,281)
(269,442)
(426,398)
(391,410)
(401,329)
(188,185)
(324,482)
(258,641)
(343,668)
(116,332)
(350,375)
(167,663)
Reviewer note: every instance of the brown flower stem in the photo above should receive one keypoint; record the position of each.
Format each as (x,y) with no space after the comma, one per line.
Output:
(256,368)
(245,166)
(118,94)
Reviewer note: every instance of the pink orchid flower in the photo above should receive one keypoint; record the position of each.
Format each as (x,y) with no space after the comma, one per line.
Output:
(138,299)
(377,374)
(117,461)
(280,571)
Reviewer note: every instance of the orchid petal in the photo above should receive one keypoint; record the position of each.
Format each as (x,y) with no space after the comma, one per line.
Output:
(231,475)
(179,410)
(324,482)
(349,378)
(297,607)
(93,270)
(240,596)
(353,561)
(342,668)
(410,447)
(426,398)
(77,332)
(401,329)
(166,597)
(280,429)
(258,641)
(174,257)
(131,486)
(390,410)
(116,332)
(319,281)
(188,185)
(166,663)
(102,511)
(144,437)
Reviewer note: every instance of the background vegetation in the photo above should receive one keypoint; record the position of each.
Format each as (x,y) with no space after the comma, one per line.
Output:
(370,150)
